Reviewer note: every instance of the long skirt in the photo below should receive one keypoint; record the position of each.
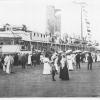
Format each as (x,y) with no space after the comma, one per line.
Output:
(8,68)
(70,66)
(46,68)
(64,75)
(29,60)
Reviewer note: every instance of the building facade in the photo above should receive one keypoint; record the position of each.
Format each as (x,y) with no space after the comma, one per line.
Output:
(29,40)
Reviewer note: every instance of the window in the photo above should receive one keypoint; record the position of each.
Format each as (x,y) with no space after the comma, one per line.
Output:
(41,35)
(34,34)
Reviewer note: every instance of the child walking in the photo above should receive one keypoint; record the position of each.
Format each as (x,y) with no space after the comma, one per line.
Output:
(53,71)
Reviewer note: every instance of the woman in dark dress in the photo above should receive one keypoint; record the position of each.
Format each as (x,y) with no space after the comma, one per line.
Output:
(34,59)
(64,75)
(16,59)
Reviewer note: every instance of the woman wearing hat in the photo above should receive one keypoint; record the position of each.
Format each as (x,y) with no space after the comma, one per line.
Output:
(64,75)
(70,62)
(46,68)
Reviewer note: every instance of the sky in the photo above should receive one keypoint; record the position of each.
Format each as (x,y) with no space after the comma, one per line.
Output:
(33,14)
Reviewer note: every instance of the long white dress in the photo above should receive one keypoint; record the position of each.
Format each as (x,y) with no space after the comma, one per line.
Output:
(98,57)
(29,59)
(5,62)
(8,63)
(70,62)
(47,68)
(41,58)
(56,65)
(8,68)
(86,58)
(74,60)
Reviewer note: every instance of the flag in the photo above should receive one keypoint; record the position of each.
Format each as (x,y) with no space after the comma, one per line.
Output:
(88,30)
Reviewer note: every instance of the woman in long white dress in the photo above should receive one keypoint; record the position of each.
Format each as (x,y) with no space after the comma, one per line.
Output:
(8,63)
(86,56)
(5,62)
(41,58)
(70,62)
(29,59)
(74,60)
(56,65)
(98,57)
(47,67)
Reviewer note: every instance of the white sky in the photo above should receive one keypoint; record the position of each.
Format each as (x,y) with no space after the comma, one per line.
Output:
(33,14)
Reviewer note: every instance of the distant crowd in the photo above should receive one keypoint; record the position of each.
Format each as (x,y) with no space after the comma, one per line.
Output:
(7,61)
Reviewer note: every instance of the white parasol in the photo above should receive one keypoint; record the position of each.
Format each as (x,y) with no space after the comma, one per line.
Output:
(68,51)
(85,52)
(77,51)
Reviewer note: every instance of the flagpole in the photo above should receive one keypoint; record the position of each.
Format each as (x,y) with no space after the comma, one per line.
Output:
(81,23)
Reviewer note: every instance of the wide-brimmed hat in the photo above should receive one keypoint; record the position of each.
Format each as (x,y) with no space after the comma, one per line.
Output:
(77,51)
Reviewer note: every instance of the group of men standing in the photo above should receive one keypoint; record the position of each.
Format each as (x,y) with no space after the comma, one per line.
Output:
(8,61)
(89,61)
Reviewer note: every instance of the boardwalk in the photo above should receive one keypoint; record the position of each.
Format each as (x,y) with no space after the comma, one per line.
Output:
(31,83)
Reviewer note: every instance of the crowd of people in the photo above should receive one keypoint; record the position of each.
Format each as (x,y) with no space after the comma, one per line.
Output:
(7,61)
(62,63)
(53,63)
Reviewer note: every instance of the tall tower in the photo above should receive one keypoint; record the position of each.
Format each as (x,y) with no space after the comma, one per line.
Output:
(50,19)
(53,20)
(58,23)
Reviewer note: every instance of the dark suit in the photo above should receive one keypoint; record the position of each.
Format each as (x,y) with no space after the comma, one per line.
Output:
(23,61)
(78,61)
(34,59)
(90,61)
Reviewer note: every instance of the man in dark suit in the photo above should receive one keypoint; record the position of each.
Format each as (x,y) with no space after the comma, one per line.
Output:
(23,61)
(78,61)
(90,61)
(34,59)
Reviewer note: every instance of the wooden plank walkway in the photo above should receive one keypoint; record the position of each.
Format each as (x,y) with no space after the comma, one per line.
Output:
(31,83)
